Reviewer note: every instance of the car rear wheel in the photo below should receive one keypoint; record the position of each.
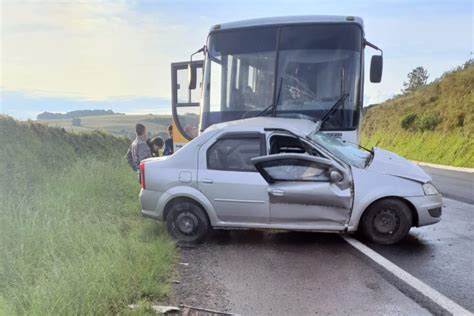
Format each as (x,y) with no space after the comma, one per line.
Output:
(187,222)
(387,221)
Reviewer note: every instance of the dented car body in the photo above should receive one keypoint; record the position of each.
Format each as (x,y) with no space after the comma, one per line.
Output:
(281,173)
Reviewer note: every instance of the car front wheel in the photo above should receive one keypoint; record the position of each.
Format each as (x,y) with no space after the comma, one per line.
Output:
(387,221)
(187,222)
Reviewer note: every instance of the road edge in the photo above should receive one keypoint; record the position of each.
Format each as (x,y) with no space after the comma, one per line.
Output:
(433,165)
(412,282)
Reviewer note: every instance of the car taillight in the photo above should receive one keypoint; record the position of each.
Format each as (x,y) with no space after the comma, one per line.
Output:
(142,175)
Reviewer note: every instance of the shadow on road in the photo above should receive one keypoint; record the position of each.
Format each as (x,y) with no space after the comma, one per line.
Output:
(411,245)
(255,238)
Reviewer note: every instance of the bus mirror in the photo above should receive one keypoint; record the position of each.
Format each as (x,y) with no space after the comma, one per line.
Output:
(376,66)
(192,77)
(192,69)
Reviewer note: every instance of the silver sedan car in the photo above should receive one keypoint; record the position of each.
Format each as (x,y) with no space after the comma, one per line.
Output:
(281,173)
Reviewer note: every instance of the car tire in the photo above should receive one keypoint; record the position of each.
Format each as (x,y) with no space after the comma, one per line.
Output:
(387,221)
(187,222)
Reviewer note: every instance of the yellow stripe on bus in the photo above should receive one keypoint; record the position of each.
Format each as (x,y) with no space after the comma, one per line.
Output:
(178,139)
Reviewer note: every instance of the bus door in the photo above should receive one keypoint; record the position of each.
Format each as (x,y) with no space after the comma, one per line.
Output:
(185,104)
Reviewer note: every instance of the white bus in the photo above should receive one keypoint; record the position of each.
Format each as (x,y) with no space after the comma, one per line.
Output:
(308,67)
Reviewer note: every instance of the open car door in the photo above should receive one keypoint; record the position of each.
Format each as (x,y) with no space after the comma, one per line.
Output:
(306,191)
(185,104)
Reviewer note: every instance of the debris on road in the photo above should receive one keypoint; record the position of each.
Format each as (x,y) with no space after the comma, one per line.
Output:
(184,310)
(197,311)
(160,309)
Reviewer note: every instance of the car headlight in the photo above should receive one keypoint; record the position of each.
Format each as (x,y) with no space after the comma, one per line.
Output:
(430,189)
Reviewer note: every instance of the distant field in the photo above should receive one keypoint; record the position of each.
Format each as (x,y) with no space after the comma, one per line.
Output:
(119,125)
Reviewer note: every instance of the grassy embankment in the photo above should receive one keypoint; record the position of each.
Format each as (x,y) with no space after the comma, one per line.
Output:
(71,237)
(434,124)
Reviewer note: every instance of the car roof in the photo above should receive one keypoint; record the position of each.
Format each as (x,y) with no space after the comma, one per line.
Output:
(301,127)
(290,20)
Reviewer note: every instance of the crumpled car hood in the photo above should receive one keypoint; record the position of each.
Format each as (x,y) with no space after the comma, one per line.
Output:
(390,163)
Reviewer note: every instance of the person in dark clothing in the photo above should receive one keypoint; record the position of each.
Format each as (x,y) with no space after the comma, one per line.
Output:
(169,143)
(156,144)
(139,149)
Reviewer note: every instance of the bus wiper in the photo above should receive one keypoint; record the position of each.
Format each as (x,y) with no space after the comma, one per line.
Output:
(358,145)
(267,109)
(272,106)
(333,108)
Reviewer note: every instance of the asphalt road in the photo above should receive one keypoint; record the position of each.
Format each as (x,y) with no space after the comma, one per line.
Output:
(453,184)
(257,273)
(440,255)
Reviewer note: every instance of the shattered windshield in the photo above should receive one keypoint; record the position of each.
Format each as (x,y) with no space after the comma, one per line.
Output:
(348,153)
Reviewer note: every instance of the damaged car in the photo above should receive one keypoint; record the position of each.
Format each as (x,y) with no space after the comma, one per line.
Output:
(285,174)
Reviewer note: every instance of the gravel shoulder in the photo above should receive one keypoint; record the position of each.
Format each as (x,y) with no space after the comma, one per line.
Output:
(198,284)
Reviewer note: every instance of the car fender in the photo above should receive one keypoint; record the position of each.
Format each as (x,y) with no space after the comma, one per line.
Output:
(187,192)
(370,187)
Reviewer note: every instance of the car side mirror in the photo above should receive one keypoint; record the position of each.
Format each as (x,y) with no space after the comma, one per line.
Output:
(192,77)
(335,176)
(376,67)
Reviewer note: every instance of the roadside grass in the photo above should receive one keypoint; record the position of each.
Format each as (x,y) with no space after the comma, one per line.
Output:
(448,148)
(72,240)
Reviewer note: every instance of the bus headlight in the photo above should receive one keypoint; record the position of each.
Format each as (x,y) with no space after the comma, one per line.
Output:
(430,189)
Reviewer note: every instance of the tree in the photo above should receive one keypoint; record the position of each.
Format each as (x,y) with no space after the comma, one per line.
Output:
(416,78)
(76,121)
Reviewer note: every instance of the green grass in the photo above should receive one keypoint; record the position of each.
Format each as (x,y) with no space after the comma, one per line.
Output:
(436,147)
(71,237)
(434,123)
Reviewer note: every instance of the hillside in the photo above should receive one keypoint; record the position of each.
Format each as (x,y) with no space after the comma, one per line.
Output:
(435,123)
(119,125)
(72,240)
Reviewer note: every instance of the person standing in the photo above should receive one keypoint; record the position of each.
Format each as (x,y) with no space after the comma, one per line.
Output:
(139,149)
(169,143)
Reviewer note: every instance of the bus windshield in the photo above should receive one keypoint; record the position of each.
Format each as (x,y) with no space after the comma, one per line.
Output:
(300,69)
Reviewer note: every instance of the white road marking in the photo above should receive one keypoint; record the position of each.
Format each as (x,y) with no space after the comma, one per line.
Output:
(438,298)
(433,165)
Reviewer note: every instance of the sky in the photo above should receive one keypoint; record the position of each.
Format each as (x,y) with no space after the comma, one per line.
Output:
(60,56)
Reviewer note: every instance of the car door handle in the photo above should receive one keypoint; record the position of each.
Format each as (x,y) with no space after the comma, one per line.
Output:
(277,192)
(207,181)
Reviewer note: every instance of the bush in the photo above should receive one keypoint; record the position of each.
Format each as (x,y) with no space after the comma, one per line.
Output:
(412,122)
(432,99)
(429,121)
(460,120)
(409,122)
